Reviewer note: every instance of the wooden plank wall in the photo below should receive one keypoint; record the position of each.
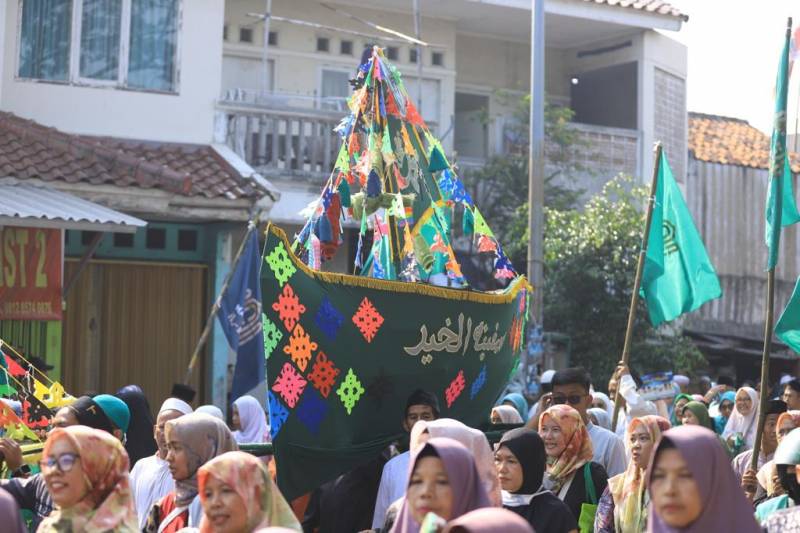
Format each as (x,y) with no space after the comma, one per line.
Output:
(133,323)
(727,204)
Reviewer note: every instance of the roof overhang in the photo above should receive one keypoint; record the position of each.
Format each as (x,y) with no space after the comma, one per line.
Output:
(42,207)
(568,23)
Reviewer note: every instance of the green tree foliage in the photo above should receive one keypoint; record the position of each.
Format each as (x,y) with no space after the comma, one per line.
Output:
(590,262)
(500,187)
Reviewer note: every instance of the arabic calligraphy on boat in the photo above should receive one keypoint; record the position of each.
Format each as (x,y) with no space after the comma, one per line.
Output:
(446,340)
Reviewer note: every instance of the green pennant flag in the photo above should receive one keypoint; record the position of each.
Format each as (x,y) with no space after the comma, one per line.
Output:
(788,327)
(780,209)
(480,226)
(343,159)
(678,276)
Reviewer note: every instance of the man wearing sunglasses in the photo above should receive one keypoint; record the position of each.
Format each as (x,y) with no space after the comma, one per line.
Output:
(31,492)
(572,387)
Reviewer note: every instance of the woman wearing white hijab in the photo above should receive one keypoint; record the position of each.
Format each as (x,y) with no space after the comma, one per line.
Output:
(249,421)
(212,410)
(600,417)
(150,478)
(740,431)
(600,400)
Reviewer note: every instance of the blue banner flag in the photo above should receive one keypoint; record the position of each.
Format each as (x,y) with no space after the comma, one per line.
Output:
(240,318)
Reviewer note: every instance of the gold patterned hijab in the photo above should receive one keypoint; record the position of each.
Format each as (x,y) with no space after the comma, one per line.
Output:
(248,476)
(108,504)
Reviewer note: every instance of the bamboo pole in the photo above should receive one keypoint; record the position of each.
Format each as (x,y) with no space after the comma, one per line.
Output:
(770,311)
(762,402)
(251,226)
(637,282)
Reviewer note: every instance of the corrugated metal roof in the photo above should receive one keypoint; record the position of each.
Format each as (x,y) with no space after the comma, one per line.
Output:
(28,205)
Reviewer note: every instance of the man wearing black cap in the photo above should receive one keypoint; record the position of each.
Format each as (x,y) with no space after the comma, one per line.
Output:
(421,405)
(31,493)
(769,442)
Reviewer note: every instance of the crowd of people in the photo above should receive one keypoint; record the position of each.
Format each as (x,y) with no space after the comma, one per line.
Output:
(668,465)
(107,465)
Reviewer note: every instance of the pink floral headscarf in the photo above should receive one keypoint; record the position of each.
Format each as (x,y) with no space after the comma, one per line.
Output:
(248,476)
(108,505)
(579,446)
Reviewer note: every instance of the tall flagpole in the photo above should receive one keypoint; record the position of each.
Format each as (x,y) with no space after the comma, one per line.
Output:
(637,281)
(251,226)
(768,326)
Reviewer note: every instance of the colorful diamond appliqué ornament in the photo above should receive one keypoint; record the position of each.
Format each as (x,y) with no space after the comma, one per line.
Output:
(300,347)
(350,391)
(312,411)
(455,389)
(290,385)
(278,260)
(323,374)
(272,335)
(288,307)
(367,319)
(478,384)
(329,319)
(277,415)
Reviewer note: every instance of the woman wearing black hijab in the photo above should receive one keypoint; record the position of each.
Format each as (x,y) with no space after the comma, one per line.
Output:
(140,442)
(520,460)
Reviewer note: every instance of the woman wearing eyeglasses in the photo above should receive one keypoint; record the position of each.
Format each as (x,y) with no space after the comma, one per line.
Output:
(571,474)
(86,472)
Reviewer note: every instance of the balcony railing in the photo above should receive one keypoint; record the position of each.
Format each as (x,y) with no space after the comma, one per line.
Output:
(283,135)
(282,141)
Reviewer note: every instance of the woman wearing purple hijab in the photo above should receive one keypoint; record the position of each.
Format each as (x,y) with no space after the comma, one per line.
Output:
(442,480)
(693,488)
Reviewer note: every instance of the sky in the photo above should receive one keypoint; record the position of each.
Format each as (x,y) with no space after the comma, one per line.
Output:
(733,52)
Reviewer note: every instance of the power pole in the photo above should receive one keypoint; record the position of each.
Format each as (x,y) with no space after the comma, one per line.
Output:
(417,33)
(536,162)
(265,57)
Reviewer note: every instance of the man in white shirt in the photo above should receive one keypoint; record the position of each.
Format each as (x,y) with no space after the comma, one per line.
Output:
(421,405)
(572,387)
(632,404)
(150,478)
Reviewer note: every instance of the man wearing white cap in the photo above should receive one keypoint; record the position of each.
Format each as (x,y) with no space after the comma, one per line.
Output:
(150,478)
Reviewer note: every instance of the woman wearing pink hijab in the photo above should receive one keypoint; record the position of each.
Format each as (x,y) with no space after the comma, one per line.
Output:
(443,480)
(474,440)
(693,488)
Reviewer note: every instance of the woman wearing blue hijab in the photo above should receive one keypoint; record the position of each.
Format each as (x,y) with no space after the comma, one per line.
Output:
(726,403)
(518,402)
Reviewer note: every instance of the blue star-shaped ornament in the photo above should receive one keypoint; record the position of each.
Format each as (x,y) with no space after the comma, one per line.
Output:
(312,410)
(277,415)
(329,320)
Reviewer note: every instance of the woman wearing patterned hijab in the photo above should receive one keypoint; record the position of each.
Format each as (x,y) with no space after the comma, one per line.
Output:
(192,441)
(623,506)
(570,470)
(86,471)
(238,494)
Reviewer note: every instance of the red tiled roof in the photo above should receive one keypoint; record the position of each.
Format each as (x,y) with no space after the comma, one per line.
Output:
(30,150)
(651,6)
(730,141)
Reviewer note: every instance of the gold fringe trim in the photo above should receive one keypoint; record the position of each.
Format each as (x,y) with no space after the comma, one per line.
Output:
(505,296)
